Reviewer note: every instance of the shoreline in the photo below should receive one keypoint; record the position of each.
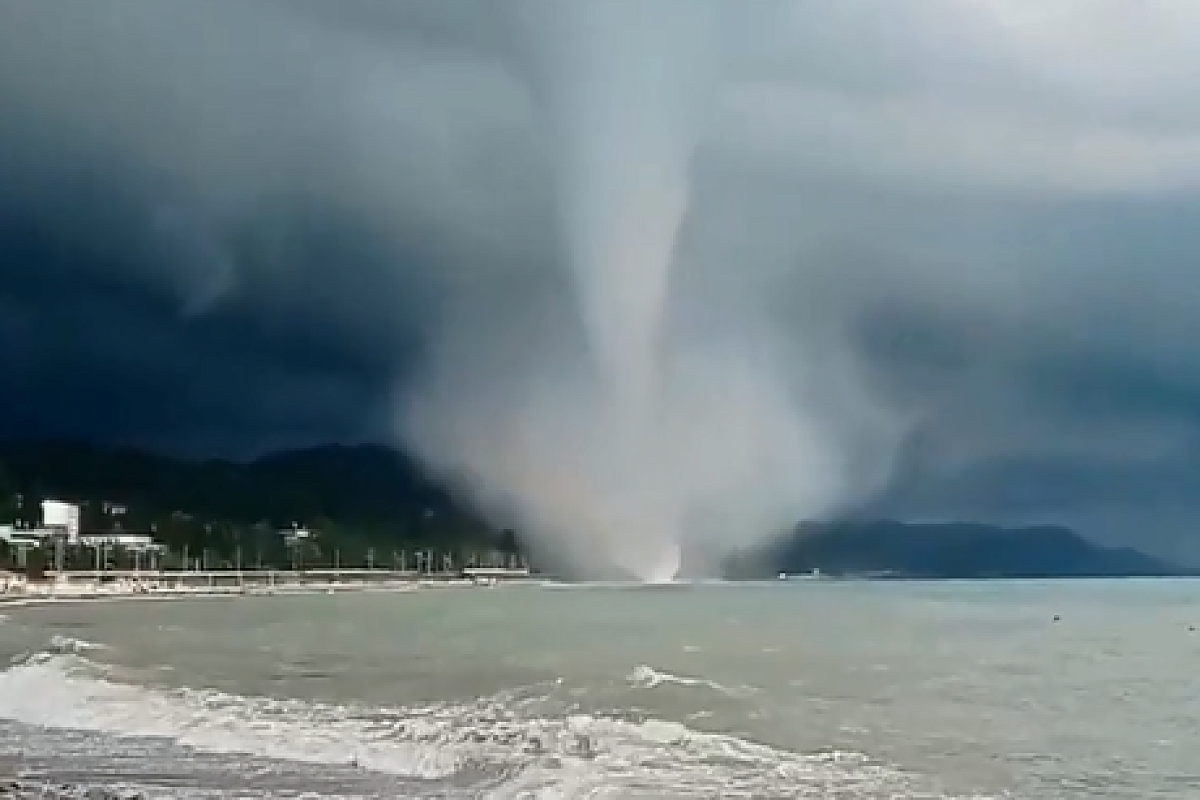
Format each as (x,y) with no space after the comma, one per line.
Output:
(93,587)
(20,788)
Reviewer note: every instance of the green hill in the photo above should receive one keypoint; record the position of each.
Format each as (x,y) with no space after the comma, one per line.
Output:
(373,503)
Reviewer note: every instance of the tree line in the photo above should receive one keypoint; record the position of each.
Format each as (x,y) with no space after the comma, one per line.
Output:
(362,506)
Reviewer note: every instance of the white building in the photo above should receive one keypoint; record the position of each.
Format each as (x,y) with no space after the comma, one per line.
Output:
(33,538)
(295,535)
(61,518)
(22,537)
(134,542)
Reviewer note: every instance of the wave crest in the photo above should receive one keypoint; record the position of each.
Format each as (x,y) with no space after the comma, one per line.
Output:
(522,743)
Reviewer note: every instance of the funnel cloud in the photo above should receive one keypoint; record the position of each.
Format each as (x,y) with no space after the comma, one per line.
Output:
(660,426)
(648,280)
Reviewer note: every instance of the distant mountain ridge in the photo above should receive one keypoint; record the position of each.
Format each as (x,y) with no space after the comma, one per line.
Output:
(886,548)
(376,496)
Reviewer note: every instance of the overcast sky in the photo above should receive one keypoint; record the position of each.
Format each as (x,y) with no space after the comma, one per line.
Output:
(235,225)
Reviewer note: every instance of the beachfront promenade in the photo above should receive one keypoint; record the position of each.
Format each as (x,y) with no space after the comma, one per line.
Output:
(106,583)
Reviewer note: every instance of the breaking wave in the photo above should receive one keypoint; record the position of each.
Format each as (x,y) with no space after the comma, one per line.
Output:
(522,743)
(646,677)
(69,644)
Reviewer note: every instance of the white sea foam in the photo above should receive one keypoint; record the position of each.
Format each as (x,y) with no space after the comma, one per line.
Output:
(647,677)
(667,567)
(70,644)
(510,745)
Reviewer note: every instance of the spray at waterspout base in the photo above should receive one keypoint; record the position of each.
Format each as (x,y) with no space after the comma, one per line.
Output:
(665,569)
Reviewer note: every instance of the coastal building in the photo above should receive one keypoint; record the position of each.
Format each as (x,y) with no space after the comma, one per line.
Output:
(112,509)
(60,526)
(134,542)
(296,535)
(22,538)
(32,538)
(61,519)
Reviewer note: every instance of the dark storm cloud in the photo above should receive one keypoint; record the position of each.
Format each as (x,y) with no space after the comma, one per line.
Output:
(233,225)
(99,353)
(227,211)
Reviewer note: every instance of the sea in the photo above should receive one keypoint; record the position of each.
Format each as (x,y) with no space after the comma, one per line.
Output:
(1063,690)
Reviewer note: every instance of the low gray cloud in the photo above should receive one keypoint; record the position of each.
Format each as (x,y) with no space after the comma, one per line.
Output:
(240,224)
